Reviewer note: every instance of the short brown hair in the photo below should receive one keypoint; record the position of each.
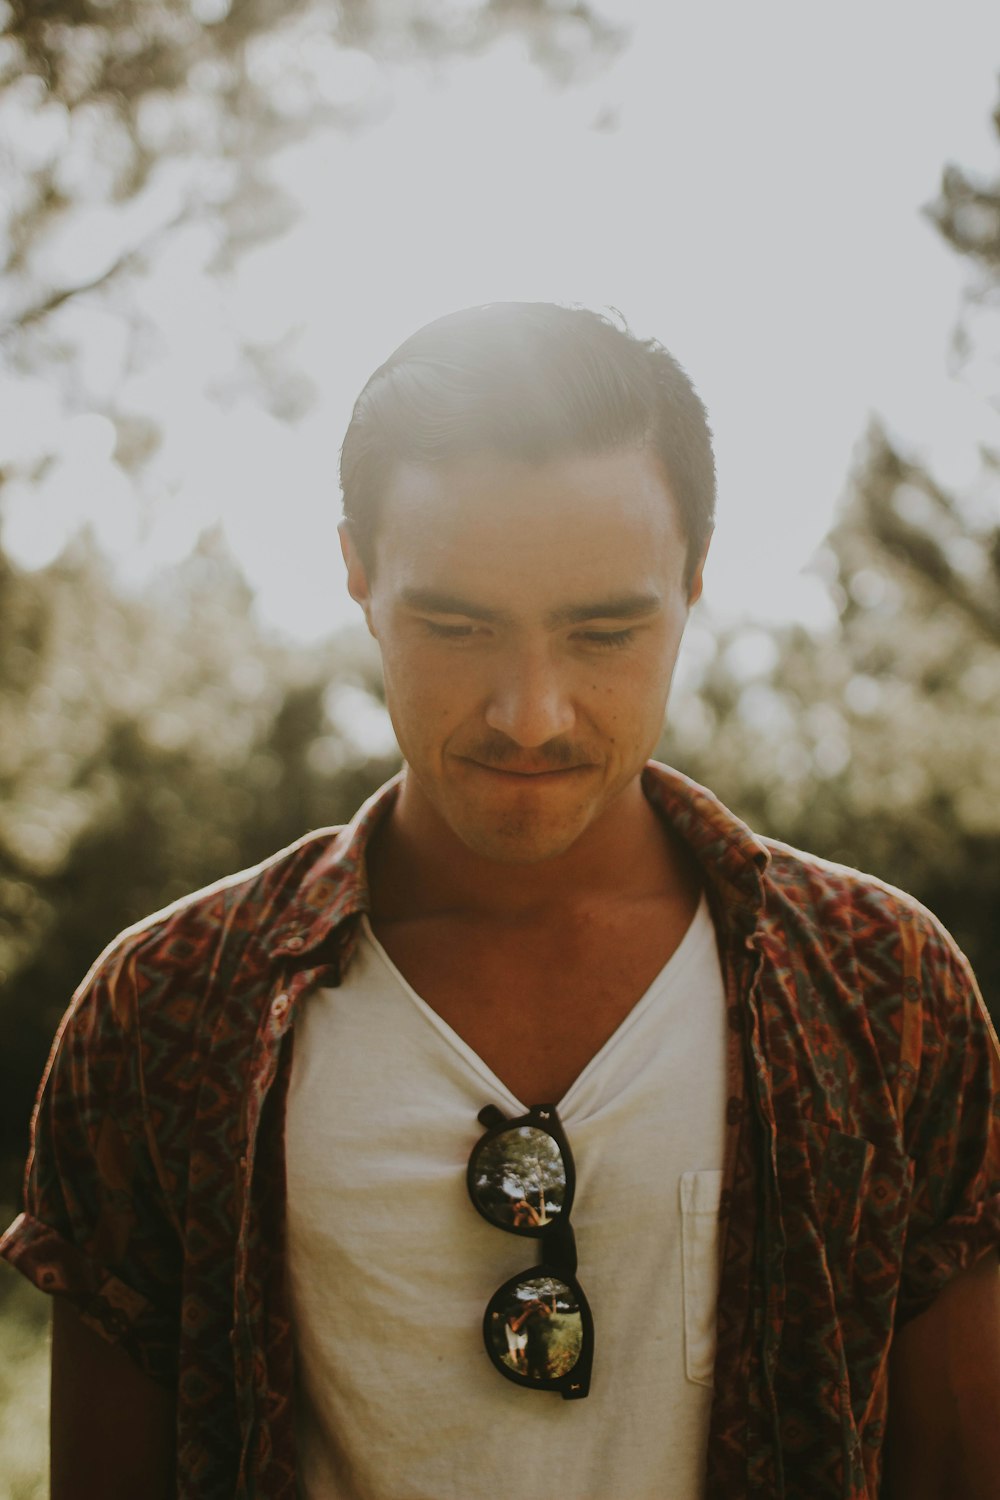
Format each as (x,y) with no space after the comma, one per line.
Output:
(533,382)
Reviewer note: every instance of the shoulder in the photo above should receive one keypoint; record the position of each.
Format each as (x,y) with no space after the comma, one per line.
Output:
(178,958)
(819,898)
(170,1011)
(252,903)
(861,960)
(812,906)
(194,977)
(825,908)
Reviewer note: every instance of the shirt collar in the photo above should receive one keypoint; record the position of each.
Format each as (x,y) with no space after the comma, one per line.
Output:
(335,886)
(732,858)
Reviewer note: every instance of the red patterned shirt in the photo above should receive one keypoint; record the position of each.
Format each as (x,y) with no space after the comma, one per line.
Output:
(862,1159)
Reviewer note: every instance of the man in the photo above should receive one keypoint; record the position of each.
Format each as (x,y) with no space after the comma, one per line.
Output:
(764,1086)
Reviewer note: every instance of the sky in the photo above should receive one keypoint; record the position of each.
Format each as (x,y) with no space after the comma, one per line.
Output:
(743,182)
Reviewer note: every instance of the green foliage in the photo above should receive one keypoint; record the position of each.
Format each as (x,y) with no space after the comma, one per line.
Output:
(150,745)
(967,213)
(102,100)
(878,744)
(141,144)
(147,747)
(522,1167)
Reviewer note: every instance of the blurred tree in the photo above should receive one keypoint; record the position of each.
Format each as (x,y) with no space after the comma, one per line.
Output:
(878,744)
(106,101)
(127,124)
(150,745)
(147,746)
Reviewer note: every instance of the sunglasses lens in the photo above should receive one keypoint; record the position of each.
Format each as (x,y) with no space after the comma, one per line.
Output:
(536,1328)
(518,1179)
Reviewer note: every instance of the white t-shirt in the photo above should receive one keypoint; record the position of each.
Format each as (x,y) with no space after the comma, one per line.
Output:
(391,1267)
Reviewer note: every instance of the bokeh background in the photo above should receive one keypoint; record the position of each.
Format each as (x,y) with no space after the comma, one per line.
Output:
(217,217)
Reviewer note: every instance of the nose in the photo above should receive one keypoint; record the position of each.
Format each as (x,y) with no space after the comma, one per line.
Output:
(530,702)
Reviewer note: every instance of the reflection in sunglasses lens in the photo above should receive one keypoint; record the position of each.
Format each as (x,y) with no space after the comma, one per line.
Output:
(536,1328)
(519,1179)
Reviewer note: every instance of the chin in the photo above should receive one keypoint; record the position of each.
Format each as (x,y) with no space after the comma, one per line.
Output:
(517,841)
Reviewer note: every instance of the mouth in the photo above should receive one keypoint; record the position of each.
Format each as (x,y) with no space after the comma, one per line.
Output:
(538,774)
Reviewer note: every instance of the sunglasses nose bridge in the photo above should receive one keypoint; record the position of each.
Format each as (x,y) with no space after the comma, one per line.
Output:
(560,1248)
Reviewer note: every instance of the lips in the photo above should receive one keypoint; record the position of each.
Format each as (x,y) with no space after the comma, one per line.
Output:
(526,773)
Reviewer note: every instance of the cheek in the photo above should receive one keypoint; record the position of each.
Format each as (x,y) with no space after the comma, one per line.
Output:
(629,704)
(429,693)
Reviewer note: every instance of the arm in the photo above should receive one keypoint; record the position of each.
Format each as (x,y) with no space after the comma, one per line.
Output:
(943,1432)
(112,1428)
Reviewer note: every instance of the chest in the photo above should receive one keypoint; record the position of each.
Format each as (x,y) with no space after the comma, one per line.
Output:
(381,1234)
(537,1002)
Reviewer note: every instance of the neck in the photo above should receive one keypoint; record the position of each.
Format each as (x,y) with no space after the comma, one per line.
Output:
(418,867)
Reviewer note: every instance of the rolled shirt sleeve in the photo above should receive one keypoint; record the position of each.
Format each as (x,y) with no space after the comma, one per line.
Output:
(952,1124)
(97,1226)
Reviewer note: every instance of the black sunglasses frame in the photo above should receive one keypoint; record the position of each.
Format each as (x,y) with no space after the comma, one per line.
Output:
(557,1250)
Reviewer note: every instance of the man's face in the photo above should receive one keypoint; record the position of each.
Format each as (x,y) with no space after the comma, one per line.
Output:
(529,619)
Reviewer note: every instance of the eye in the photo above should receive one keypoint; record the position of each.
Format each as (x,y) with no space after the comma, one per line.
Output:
(607,640)
(444,632)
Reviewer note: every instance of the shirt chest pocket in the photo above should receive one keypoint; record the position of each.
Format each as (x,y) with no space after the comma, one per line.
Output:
(700,1195)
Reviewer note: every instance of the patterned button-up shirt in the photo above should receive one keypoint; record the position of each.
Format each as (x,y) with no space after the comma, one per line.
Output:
(861,1167)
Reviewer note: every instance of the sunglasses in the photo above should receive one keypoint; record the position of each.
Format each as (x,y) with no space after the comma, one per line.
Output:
(538,1328)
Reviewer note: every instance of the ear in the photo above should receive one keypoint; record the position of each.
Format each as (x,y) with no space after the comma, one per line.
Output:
(358,583)
(697,581)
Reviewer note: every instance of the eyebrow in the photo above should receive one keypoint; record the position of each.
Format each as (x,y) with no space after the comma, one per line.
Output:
(621,607)
(624,607)
(435,603)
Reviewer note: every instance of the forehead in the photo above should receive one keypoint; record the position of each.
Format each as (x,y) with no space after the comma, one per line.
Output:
(604,520)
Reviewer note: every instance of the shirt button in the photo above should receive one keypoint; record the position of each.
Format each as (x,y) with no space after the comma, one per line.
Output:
(278,1006)
(295,943)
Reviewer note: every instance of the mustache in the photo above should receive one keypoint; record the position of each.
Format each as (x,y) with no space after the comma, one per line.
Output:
(501,754)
